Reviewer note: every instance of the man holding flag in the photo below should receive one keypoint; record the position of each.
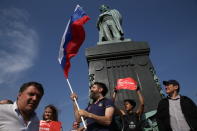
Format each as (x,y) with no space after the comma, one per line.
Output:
(99,113)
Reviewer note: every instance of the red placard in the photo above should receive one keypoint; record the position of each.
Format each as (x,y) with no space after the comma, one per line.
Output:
(50,126)
(126,83)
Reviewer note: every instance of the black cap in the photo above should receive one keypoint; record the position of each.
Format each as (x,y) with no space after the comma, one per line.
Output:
(173,82)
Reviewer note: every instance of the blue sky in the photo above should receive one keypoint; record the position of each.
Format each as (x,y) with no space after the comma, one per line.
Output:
(31,31)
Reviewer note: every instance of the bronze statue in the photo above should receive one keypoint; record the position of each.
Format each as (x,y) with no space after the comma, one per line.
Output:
(109,24)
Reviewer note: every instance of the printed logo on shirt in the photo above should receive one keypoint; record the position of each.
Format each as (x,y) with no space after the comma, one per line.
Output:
(132,125)
(100,104)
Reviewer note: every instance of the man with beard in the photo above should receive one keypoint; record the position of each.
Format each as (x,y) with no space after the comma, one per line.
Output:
(20,116)
(99,112)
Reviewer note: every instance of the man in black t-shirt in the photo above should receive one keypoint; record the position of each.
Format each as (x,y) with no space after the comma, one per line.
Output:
(131,119)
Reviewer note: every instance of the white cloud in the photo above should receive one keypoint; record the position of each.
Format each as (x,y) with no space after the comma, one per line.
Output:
(18,44)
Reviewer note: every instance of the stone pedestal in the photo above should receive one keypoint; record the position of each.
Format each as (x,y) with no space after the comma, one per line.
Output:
(109,62)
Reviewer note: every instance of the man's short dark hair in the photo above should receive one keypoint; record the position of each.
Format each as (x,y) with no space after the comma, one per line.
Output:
(37,85)
(103,86)
(132,102)
(173,82)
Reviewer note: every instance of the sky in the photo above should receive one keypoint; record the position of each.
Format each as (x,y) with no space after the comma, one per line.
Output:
(31,32)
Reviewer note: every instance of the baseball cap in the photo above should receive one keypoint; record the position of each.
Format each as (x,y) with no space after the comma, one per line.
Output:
(173,82)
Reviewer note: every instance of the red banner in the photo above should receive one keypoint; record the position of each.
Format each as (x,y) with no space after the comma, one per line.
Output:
(50,126)
(126,83)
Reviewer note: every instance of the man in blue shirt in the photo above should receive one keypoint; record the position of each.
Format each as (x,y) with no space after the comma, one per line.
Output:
(99,113)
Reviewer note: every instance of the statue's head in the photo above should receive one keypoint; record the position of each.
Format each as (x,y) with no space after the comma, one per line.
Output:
(104,8)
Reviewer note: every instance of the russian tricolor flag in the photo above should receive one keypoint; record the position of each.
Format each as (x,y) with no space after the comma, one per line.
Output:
(73,38)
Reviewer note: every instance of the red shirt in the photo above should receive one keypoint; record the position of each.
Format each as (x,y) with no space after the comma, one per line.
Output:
(50,126)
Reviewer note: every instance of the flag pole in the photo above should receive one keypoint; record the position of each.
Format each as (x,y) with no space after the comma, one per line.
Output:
(138,79)
(75,100)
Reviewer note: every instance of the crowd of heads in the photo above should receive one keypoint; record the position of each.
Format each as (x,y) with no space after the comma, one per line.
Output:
(30,94)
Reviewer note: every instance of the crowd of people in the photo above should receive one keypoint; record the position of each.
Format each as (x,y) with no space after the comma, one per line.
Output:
(174,113)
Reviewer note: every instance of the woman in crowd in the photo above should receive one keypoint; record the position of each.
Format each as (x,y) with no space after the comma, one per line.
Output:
(50,120)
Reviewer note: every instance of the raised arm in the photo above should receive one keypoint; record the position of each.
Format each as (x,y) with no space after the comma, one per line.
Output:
(117,110)
(140,109)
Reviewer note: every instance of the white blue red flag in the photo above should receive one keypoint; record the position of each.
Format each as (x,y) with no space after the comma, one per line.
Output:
(73,38)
